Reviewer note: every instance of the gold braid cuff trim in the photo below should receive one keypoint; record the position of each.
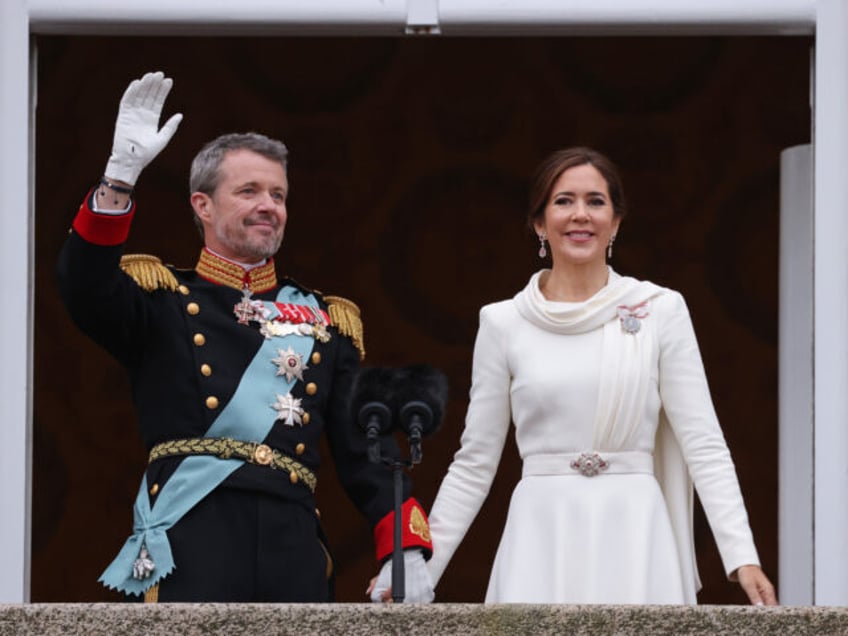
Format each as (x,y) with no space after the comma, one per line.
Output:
(225,448)
(344,314)
(149,272)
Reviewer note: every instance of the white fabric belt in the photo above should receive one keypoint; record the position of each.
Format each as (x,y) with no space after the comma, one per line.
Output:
(588,464)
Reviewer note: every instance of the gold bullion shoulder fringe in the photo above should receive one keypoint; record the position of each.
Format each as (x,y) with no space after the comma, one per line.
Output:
(149,272)
(345,316)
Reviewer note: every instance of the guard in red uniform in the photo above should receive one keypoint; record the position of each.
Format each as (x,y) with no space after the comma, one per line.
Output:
(235,376)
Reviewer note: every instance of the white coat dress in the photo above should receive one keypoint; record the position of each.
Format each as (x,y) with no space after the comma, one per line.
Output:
(618,378)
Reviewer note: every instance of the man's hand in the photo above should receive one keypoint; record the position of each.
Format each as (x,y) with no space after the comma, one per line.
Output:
(417,581)
(138,138)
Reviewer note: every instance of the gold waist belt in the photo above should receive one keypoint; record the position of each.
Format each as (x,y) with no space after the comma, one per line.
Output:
(225,448)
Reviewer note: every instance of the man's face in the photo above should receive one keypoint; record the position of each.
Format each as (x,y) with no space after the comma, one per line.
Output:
(245,217)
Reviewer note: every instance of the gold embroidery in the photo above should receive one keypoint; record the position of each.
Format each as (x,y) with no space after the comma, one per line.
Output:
(345,316)
(226,448)
(418,524)
(148,272)
(223,272)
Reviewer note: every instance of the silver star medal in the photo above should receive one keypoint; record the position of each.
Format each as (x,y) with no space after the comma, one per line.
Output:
(290,364)
(288,409)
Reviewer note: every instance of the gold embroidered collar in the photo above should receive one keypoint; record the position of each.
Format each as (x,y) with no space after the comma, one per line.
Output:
(219,270)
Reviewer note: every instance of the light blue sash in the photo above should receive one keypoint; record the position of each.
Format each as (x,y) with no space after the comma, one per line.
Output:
(198,475)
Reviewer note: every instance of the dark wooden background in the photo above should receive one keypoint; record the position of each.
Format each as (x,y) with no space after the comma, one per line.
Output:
(409,167)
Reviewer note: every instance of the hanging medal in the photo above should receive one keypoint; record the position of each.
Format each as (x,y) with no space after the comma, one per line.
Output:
(277,320)
(631,317)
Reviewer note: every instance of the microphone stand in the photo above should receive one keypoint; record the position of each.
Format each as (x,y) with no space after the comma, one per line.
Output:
(398,573)
(416,415)
(375,418)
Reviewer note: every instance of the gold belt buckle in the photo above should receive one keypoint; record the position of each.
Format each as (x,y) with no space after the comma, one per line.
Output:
(263,455)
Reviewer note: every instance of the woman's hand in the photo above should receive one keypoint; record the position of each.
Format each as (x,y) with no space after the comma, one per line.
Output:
(759,589)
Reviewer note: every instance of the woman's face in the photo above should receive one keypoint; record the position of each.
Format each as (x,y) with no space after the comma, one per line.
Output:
(579,218)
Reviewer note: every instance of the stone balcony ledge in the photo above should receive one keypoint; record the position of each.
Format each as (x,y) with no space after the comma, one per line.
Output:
(130,619)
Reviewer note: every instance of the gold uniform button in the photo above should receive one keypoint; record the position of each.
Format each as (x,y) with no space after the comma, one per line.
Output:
(316,357)
(293,477)
(193,309)
(154,489)
(317,513)
(199,339)
(183,290)
(311,388)
(206,370)
(300,448)
(304,419)
(212,402)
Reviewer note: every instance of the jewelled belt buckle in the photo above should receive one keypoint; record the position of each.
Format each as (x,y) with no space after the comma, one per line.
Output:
(590,464)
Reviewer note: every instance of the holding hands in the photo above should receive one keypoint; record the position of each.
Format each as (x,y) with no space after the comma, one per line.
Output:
(417,582)
(138,138)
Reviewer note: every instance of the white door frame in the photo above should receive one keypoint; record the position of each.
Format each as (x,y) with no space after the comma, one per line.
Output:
(827,20)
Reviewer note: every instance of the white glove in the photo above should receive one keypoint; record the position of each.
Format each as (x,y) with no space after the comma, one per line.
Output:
(419,585)
(137,136)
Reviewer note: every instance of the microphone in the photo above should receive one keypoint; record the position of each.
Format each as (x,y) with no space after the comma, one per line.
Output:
(420,404)
(412,397)
(370,399)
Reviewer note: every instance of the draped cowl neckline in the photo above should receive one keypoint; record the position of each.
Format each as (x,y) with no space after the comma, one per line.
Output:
(580,317)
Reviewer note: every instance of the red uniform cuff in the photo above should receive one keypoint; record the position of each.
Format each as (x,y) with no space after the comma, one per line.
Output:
(414,526)
(103,229)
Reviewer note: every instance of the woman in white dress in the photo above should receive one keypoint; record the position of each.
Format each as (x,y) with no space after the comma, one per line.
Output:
(602,376)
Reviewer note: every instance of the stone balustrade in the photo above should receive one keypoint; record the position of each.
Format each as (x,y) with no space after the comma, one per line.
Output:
(130,619)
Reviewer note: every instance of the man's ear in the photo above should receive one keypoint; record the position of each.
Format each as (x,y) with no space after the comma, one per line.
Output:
(201,204)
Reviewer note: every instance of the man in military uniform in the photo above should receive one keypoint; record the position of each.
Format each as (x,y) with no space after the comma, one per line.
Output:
(235,376)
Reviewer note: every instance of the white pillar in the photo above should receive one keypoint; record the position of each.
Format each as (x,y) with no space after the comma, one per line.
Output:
(831,303)
(795,383)
(16,318)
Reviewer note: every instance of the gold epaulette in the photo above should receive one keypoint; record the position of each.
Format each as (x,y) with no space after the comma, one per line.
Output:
(345,316)
(149,272)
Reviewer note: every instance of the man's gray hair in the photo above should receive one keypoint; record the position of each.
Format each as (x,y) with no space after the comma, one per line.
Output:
(204,168)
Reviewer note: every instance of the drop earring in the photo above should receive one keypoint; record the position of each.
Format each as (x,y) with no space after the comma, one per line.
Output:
(609,246)
(543,252)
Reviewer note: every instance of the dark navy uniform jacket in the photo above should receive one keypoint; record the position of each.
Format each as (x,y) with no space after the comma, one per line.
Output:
(185,353)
